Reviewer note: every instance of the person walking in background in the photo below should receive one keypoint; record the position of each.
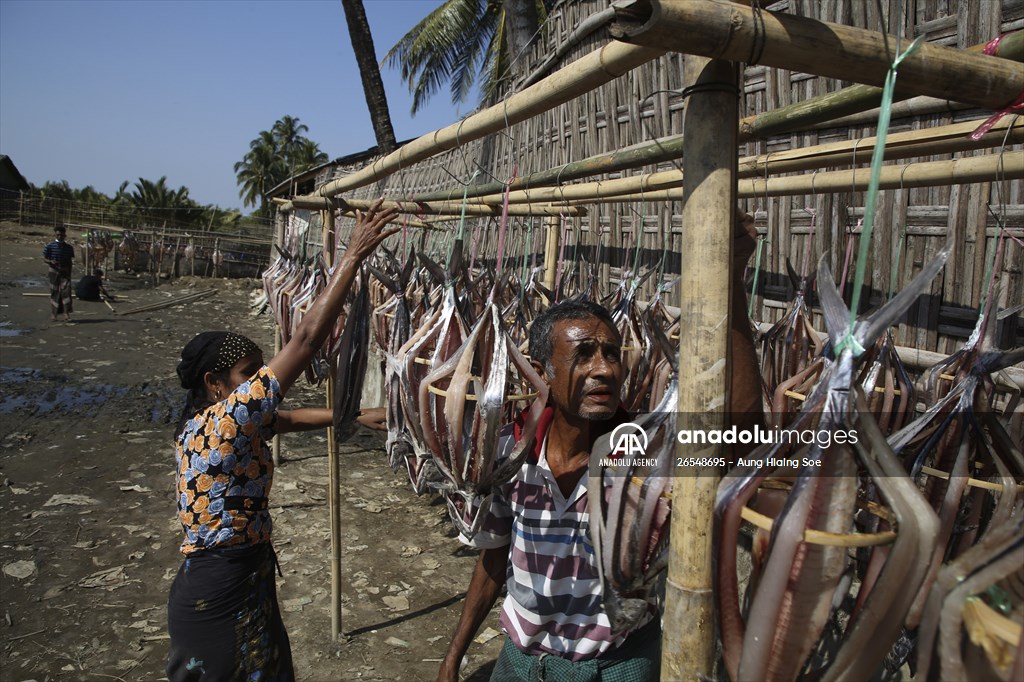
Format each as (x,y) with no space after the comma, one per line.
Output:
(59,255)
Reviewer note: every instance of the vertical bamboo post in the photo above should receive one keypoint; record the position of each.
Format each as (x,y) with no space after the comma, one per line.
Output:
(709,203)
(551,252)
(333,462)
(277,239)
(21,207)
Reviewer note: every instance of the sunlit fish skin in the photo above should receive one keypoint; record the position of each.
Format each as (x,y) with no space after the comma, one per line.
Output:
(788,349)
(349,362)
(463,436)
(962,435)
(782,635)
(629,516)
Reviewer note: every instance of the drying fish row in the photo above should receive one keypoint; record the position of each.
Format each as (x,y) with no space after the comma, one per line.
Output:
(882,555)
(859,566)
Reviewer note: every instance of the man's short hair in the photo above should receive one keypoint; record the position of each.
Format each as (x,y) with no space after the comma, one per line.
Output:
(97,271)
(60,229)
(540,332)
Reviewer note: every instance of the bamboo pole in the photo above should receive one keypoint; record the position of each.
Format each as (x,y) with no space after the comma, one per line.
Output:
(791,118)
(912,175)
(830,109)
(278,240)
(709,188)
(910,144)
(443,208)
(333,462)
(455,208)
(592,70)
(551,223)
(190,298)
(728,30)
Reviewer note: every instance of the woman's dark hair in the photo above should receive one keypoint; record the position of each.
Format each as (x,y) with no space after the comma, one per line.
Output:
(214,352)
(540,332)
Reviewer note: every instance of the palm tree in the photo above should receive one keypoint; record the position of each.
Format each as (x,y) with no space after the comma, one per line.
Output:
(308,155)
(369,71)
(463,40)
(159,203)
(260,169)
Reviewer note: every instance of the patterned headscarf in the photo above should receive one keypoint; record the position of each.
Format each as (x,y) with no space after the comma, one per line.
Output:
(212,352)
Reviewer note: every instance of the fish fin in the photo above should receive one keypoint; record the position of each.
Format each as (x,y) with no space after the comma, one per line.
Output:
(837,315)
(869,330)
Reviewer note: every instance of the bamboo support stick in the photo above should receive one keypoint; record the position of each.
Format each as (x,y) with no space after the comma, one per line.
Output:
(553,227)
(964,171)
(333,461)
(728,30)
(445,208)
(911,144)
(597,68)
(709,187)
(190,298)
(278,240)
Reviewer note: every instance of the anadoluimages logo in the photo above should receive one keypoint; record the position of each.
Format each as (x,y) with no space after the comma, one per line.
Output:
(628,440)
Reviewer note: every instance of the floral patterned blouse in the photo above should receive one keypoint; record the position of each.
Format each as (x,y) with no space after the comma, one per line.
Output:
(225,468)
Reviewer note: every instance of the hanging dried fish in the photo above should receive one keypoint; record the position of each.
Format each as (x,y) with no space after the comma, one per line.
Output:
(801,580)
(792,344)
(350,360)
(629,511)
(462,402)
(982,591)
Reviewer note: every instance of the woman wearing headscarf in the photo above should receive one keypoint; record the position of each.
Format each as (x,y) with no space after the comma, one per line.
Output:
(223,615)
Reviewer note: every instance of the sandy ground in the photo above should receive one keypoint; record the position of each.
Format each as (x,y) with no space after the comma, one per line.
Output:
(88,537)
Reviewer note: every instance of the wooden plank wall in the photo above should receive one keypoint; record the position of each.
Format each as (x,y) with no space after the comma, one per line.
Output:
(646,104)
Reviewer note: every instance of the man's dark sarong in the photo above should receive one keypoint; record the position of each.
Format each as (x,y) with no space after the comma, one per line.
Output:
(60,292)
(224,620)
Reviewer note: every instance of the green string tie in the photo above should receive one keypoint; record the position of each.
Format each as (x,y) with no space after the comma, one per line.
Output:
(850,341)
(872,198)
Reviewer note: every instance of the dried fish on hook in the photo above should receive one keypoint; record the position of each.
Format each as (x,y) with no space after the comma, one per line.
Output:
(629,508)
(793,600)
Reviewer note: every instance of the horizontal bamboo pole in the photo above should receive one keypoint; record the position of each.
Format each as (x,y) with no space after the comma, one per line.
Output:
(729,30)
(189,298)
(965,171)
(597,68)
(790,118)
(455,208)
(905,145)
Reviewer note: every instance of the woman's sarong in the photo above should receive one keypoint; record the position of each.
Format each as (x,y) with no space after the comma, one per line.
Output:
(224,619)
(60,292)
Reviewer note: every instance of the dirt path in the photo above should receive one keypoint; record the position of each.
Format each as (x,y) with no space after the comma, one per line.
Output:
(88,539)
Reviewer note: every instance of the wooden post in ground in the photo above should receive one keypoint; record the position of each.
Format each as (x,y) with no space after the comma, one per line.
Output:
(553,226)
(333,463)
(277,239)
(709,204)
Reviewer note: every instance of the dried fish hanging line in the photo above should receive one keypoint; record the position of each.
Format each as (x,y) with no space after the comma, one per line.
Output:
(461,426)
(971,470)
(802,571)
(291,284)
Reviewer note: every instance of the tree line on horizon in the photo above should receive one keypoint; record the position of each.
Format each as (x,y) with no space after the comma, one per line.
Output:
(142,203)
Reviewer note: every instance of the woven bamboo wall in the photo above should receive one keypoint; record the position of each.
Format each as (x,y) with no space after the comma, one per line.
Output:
(646,104)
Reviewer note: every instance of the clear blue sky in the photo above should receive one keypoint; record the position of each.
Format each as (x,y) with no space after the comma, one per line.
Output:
(98,92)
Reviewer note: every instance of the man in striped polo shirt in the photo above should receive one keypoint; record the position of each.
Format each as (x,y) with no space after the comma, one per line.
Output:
(535,538)
(60,256)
